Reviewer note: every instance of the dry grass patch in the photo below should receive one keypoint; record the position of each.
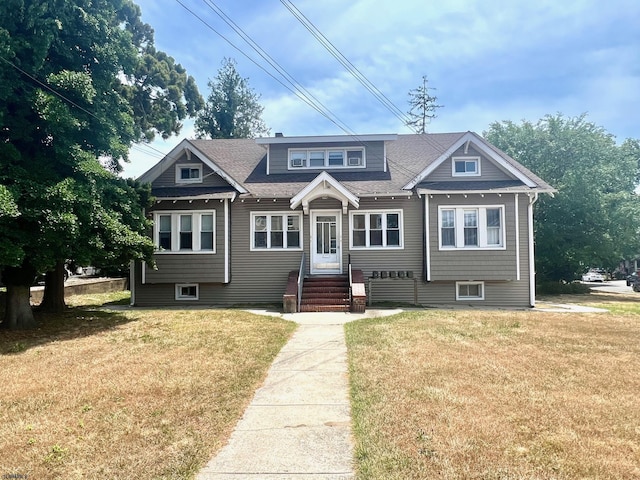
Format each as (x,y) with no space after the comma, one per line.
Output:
(128,394)
(497,395)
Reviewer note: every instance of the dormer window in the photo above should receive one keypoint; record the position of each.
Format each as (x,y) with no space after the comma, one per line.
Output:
(465,166)
(189,173)
(325,158)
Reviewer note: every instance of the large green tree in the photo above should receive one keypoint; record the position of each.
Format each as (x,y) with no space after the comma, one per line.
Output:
(592,220)
(80,82)
(232,109)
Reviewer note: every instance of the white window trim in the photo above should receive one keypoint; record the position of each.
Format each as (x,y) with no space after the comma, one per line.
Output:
(196,222)
(180,166)
(326,166)
(252,246)
(367,213)
(469,298)
(465,174)
(482,227)
(187,298)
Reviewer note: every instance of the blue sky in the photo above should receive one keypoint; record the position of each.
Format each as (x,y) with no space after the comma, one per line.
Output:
(488,61)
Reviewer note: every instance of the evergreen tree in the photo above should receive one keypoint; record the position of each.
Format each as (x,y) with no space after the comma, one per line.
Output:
(423,107)
(232,109)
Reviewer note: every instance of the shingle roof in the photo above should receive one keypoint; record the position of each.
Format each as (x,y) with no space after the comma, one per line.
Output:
(407,157)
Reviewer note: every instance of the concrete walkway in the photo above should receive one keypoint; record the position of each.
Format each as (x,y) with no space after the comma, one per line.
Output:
(298,425)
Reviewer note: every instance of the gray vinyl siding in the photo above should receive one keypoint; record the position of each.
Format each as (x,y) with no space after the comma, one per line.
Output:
(261,276)
(209,178)
(475,264)
(279,157)
(190,267)
(489,171)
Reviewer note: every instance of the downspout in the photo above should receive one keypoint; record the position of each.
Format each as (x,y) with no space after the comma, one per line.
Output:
(425,236)
(517,209)
(532,266)
(227,255)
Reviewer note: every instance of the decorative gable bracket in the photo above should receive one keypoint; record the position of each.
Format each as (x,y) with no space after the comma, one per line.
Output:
(324,186)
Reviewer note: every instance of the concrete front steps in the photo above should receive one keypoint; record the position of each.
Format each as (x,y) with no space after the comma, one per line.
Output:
(325,294)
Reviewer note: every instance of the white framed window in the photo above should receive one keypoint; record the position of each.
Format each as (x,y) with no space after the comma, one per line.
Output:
(469,290)
(187,291)
(465,166)
(189,173)
(276,231)
(471,227)
(376,229)
(300,158)
(184,231)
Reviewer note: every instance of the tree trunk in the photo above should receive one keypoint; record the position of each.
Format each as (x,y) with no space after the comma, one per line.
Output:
(18,314)
(53,298)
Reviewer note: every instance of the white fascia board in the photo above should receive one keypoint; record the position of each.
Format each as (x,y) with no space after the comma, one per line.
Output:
(212,196)
(327,139)
(480,144)
(343,193)
(428,191)
(171,157)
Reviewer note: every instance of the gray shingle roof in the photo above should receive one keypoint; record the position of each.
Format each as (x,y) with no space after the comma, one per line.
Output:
(245,161)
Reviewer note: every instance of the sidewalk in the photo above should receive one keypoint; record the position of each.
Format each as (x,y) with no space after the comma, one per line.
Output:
(298,425)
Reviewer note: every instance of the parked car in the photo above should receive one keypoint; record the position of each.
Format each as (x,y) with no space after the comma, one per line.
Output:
(593,276)
(632,278)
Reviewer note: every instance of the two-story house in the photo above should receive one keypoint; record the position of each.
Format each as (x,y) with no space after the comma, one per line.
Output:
(430,219)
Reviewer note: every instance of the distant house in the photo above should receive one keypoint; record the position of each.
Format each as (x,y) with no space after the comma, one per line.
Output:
(431,219)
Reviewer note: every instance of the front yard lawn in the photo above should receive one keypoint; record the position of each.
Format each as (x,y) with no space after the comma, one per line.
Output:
(130,393)
(475,394)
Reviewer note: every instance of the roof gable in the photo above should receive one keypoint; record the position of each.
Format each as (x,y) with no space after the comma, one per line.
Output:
(324,185)
(481,145)
(175,154)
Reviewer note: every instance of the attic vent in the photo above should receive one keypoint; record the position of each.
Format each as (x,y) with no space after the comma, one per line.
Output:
(279,134)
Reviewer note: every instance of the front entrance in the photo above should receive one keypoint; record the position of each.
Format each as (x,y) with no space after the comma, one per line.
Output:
(326,226)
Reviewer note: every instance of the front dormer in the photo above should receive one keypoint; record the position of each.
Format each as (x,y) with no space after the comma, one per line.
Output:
(316,154)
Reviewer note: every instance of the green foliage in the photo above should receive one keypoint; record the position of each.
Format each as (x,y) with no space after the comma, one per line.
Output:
(232,109)
(592,220)
(80,82)
(562,288)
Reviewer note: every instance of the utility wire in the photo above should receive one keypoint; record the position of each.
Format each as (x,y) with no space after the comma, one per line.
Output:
(157,153)
(348,65)
(276,66)
(319,108)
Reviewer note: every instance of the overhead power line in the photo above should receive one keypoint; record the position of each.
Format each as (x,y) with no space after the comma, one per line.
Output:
(348,65)
(294,87)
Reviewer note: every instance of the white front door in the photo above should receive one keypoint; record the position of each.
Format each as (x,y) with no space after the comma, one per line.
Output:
(325,242)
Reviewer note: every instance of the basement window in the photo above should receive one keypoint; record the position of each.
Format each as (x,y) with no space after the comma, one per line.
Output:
(187,291)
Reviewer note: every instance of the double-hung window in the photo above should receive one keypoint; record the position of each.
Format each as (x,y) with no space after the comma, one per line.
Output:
(276,231)
(471,227)
(184,232)
(376,229)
